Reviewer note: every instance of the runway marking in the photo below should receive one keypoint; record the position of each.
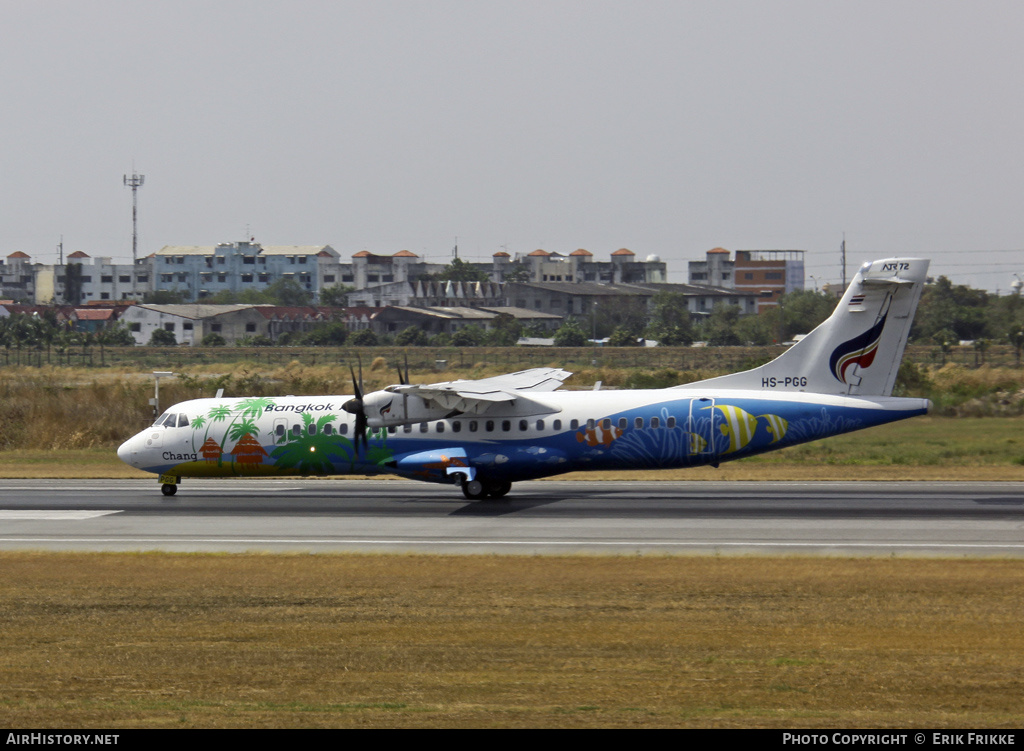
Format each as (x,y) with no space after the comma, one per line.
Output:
(51,515)
(534,543)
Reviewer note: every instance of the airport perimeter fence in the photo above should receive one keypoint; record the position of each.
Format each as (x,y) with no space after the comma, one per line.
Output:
(724,359)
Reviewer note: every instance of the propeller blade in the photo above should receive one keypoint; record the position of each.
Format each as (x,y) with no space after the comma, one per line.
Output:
(355,407)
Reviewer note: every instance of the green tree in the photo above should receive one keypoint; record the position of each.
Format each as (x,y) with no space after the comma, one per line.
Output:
(505,331)
(288,292)
(629,313)
(570,335)
(803,310)
(952,307)
(469,336)
(413,336)
(719,329)
(336,296)
(670,322)
(331,334)
(623,337)
(73,283)
(363,338)
(116,335)
(166,297)
(162,338)
(459,271)
(517,272)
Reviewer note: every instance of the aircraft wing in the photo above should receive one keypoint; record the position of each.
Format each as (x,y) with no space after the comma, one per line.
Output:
(476,396)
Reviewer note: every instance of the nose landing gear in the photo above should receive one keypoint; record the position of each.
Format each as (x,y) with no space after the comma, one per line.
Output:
(169,484)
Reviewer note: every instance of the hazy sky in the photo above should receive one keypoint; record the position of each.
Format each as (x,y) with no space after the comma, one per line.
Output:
(664,127)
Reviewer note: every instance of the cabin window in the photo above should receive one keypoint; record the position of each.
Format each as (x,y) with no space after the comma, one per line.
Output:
(440,427)
(392,430)
(638,422)
(506,425)
(328,429)
(670,422)
(654,422)
(343,428)
(540,425)
(574,424)
(424,427)
(279,430)
(524,425)
(311,429)
(456,426)
(606,424)
(296,430)
(591,424)
(407,428)
(472,426)
(556,424)
(489,426)
(623,423)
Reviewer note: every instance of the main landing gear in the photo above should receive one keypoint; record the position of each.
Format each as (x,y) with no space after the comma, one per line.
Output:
(477,490)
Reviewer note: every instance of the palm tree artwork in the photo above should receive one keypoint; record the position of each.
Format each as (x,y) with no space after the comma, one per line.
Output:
(310,452)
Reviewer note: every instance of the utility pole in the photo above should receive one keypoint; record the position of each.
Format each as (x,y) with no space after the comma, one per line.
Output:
(135,182)
(842,249)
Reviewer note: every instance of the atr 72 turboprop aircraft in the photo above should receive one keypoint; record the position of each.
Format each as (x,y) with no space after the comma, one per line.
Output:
(484,435)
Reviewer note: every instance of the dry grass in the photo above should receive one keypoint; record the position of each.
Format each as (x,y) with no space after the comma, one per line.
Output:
(125,641)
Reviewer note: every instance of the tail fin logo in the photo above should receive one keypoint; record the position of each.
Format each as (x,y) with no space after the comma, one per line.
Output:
(859,351)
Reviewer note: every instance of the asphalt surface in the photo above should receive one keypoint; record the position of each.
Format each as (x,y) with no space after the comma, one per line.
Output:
(553,517)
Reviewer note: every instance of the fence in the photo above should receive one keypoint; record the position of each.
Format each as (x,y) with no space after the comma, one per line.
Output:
(460,358)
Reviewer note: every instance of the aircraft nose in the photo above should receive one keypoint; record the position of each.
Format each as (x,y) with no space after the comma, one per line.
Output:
(124,451)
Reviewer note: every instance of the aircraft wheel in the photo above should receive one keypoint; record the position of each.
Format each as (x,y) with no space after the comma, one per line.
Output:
(473,490)
(168,489)
(498,489)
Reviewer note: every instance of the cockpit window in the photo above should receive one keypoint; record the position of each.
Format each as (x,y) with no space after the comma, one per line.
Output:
(172,420)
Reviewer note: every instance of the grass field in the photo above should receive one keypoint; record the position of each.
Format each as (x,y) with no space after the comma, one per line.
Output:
(166,641)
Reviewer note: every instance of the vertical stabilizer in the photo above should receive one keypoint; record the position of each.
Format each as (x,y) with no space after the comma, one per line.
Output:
(858,349)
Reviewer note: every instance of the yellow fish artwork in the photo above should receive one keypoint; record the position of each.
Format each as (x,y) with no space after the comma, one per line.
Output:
(777,426)
(739,425)
(697,444)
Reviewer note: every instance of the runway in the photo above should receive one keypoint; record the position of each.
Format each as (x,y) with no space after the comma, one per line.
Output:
(537,518)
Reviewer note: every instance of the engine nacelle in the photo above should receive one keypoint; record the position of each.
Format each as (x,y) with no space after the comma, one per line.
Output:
(384,409)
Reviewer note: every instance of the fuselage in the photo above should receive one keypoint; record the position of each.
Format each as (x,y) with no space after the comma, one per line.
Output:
(581,430)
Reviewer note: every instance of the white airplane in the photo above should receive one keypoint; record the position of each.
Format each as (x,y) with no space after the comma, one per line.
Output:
(484,435)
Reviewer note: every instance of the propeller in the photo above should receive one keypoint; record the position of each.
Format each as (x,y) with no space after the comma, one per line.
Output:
(355,407)
(403,378)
